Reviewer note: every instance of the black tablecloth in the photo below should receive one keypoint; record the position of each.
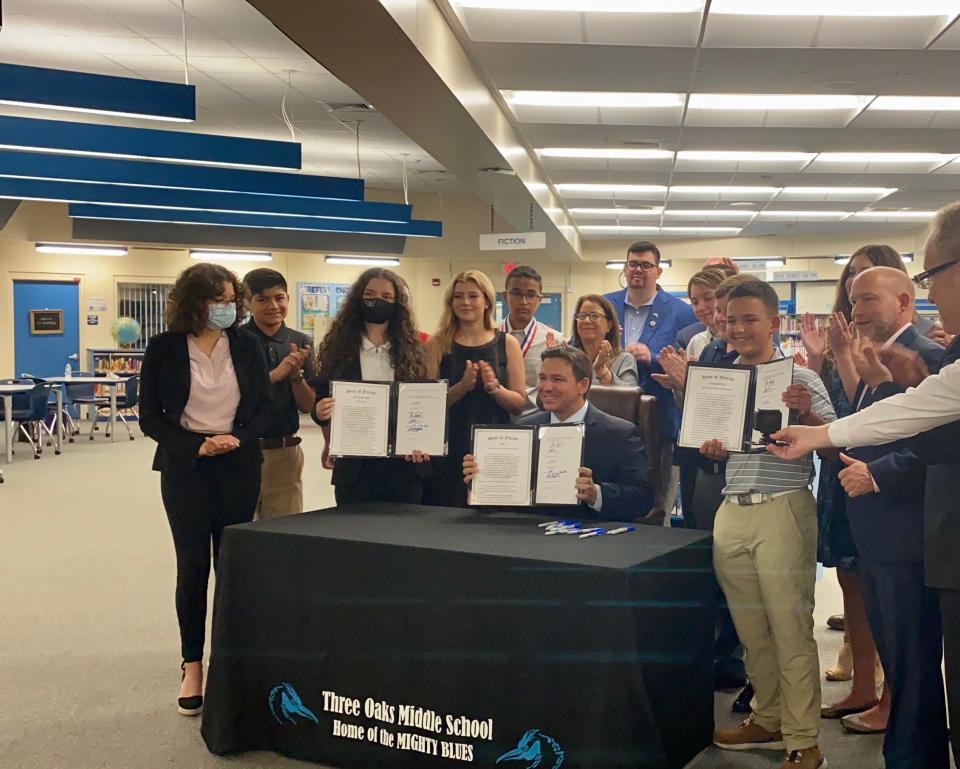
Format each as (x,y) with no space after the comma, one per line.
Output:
(402,636)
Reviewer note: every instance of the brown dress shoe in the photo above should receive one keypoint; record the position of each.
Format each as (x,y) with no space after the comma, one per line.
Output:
(807,758)
(748,735)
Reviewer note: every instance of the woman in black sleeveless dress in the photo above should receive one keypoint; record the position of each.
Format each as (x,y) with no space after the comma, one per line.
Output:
(485,369)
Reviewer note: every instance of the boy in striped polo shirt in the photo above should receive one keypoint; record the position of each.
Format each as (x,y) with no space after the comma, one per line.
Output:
(765,554)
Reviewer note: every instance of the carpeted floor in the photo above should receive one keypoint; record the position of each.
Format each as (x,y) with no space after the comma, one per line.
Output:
(88,640)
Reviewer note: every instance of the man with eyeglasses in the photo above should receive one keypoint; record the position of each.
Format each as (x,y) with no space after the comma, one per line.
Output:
(650,319)
(929,410)
(522,295)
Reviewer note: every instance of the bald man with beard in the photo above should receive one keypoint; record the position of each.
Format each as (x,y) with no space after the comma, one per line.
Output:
(885,485)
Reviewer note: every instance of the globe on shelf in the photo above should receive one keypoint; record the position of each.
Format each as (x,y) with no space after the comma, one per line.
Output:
(125,331)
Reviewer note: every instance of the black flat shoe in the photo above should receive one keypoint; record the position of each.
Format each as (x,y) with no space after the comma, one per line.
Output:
(189,706)
(742,703)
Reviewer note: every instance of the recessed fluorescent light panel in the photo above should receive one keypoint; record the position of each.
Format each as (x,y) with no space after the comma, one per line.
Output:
(917,103)
(777,101)
(907,216)
(711,190)
(834,7)
(623,213)
(738,156)
(586,6)
(212,255)
(708,214)
(363,261)
(884,157)
(826,215)
(612,153)
(593,99)
(616,228)
(80,249)
(828,191)
(703,230)
(651,188)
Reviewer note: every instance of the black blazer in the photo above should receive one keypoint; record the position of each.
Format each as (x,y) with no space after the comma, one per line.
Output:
(613,450)
(165,389)
(888,527)
(348,470)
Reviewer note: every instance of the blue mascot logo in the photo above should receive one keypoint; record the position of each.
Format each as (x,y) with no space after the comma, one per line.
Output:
(537,749)
(285,705)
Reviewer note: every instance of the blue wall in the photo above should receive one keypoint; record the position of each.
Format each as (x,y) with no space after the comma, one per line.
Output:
(45,355)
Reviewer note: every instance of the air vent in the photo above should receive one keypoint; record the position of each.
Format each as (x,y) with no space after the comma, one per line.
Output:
(641,145)
(350,107)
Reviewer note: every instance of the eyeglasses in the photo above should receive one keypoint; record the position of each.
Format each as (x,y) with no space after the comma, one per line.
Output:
(925,279)
(642,266)
(594,316)
(530,296)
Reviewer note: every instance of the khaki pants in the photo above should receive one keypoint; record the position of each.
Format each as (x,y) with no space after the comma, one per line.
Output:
(281,490)
(765,556)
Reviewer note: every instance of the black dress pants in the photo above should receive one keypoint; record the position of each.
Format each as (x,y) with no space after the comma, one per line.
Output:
(905,620)
(200,500)
(950,615)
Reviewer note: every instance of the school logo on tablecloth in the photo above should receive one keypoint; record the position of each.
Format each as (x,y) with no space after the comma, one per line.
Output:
(286,706)
(537,750)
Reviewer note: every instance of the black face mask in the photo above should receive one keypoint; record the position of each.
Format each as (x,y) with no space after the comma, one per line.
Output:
(377,310)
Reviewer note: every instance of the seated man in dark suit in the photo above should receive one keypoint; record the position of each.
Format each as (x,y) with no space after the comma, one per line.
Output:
(614,482)
(886,509)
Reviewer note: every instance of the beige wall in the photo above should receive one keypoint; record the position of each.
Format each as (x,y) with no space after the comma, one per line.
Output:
(424,260)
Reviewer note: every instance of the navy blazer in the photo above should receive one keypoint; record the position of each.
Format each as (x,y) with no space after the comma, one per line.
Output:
(165,389)
(685,334)
(613,450)
(667,316)
(888,527)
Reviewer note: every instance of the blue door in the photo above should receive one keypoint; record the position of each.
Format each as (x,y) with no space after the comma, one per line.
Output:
(45,354)
(550,309)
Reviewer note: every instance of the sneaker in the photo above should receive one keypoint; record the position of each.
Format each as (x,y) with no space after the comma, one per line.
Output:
(808,758)
(749,735)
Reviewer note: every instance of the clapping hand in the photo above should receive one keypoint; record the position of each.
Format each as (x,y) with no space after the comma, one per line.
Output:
(470,373)
(490,382)
(674,364)
(295,359)
(840,333)
(813,337)
(906,366)
(867,361)
(553,342)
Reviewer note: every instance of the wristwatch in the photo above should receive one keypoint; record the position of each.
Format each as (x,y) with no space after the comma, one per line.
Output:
(297,376)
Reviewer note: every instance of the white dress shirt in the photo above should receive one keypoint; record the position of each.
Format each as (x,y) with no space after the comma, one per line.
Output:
(578,416)
(375,365)
(935,402)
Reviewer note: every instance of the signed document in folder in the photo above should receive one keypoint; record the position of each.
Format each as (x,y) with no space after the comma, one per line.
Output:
(505,460)
(558,463)
(361,419)
(421,418)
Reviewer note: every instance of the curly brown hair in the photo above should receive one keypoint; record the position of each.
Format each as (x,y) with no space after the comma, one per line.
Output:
(340,347)
(186,310)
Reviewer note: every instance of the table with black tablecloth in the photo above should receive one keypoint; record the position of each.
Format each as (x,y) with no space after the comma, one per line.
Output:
(411,636)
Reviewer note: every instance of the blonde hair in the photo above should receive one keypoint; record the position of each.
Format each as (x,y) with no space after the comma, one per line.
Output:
(449,323)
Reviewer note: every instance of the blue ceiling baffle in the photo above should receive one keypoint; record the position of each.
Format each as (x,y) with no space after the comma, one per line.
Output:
(414,228)
(145,143)
(79,168)
(100,94)
(201,200)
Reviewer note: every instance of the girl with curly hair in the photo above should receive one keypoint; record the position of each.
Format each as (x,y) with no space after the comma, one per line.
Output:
(373,339)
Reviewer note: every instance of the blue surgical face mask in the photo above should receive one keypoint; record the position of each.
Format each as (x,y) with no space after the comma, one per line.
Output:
(221,315)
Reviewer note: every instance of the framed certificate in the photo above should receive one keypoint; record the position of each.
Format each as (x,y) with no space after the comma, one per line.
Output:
(720,403)
(524,466)
(384,419)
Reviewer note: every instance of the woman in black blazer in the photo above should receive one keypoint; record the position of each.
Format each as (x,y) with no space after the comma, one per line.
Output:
(203,391)
(373,338)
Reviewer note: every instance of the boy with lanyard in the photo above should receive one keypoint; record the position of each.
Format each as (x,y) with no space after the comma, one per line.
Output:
(522,294)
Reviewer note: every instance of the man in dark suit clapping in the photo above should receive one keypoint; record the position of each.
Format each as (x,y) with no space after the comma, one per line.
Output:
(886,488)
(614,482)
